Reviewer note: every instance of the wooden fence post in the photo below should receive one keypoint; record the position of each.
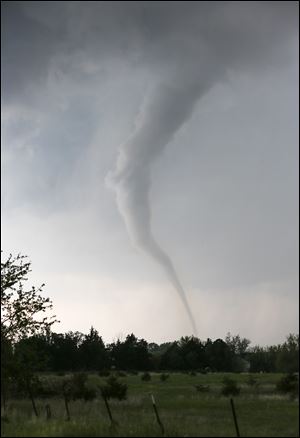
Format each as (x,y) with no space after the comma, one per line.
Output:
(30,393)
(48,412)
(67,407)
(113,422)
(234,418)
(156,415)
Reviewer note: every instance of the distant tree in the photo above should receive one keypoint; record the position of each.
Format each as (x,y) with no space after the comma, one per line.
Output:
(92,351)
(132,354)
(219,355)
(64,351)
(33,352)
(287,360)
(263,358)
(192,352)
(257,357)
(237,345)
(159,349)
(153,347)
(172,358)
(156,353)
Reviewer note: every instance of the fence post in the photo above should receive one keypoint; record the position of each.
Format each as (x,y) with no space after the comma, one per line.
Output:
(113,422)
(48,412)
(67,407)
(156,415)
(234,418)
(32,398)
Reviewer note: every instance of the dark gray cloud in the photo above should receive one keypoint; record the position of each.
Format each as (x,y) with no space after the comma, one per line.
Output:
(164,35)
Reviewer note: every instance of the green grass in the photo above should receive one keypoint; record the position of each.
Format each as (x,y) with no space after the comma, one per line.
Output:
(261,412)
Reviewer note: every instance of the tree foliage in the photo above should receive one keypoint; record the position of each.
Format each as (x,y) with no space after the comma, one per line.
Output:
(21,310)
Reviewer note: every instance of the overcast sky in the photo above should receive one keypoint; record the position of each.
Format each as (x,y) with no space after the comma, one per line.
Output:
(137,134)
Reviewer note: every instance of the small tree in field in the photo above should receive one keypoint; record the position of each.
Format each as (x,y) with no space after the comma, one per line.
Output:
(230,387)
(289,384)
(20,309)
(114,389)
(146,377)
(21,316)
(74,388)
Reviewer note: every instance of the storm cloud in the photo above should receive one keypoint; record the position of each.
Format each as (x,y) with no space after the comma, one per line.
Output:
(92,89)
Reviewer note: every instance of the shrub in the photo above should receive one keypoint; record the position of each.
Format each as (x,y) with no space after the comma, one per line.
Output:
(134,372)
(49,387)
(202,388)
(288,384)
(114,389)
(164,377)
(251,381)
(146,377)
(76,388)
(230,387)
(104,373)
(81,388)
(193,373)
(23,385)
(121,374)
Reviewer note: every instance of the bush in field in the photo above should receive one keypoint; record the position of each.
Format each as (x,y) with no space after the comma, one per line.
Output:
(251,381)
(146,377)
(134,372)
(104,373)
(164,377)
(230,387)
(288,384)
(50,387)
(80,388)
(121,374)
(76,387)
(202,388)
(193,373)
(114,389)
(30,385)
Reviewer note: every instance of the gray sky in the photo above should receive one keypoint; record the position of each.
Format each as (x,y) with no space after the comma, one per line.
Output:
(138,134)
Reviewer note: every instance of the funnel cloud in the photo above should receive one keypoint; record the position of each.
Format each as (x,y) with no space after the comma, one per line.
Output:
(166,110)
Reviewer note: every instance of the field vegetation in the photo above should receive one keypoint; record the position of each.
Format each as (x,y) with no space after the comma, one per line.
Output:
(261,409)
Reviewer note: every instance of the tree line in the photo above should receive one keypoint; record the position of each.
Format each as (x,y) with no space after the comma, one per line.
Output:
(75,351)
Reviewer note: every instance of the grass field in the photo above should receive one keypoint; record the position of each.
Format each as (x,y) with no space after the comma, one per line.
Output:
(261,412)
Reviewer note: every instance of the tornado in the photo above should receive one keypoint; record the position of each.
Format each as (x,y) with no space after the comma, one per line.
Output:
(165,110)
